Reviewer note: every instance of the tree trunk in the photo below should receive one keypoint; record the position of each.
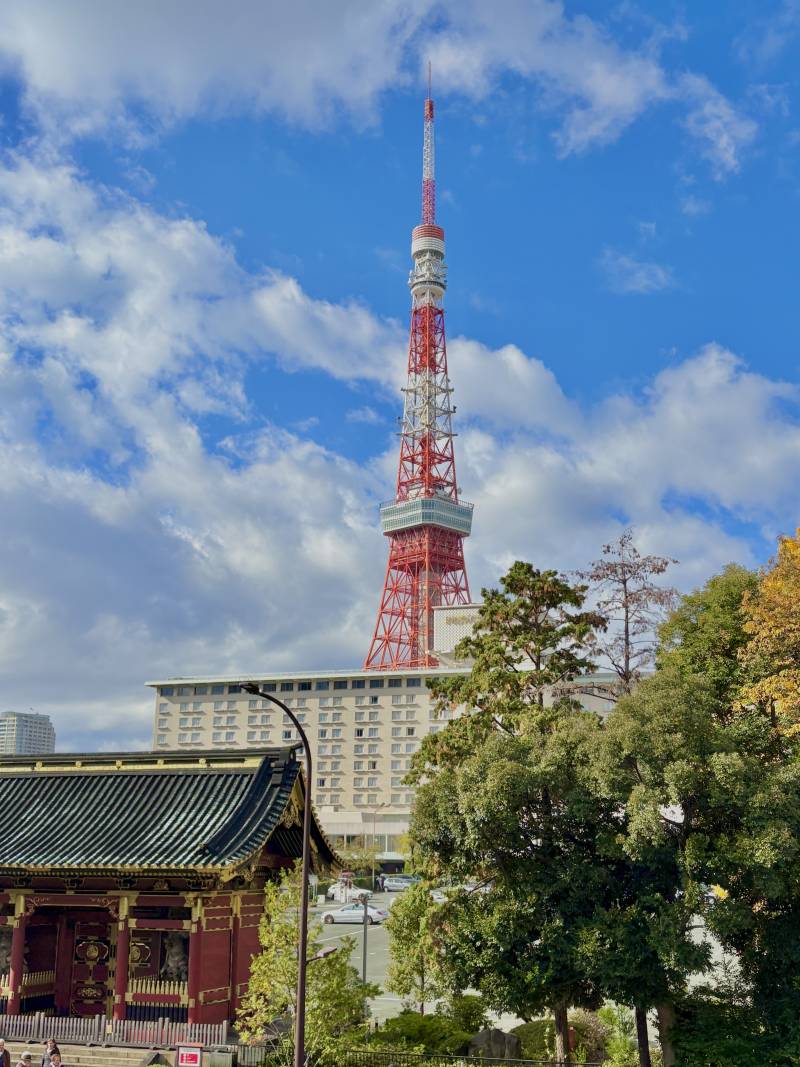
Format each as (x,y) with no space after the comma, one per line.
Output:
(641,1037)
(562,1032)
(666,1023)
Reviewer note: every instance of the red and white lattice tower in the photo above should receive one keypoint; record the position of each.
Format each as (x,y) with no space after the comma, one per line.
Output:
(426,523)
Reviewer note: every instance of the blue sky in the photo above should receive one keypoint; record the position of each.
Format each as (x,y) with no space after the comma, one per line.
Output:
(204,231)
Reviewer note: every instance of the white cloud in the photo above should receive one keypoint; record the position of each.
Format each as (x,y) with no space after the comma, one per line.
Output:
(722,132)
(626,273)
(766,38)
(694,205)
(369,416)
(137,68)
(133,547)
(83,64)
(601,87)
(707,443)
(505,387)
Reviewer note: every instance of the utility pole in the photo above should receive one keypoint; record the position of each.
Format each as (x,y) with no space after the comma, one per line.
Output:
(365,902)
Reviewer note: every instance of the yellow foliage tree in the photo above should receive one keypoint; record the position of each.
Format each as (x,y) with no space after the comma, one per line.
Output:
(772,654)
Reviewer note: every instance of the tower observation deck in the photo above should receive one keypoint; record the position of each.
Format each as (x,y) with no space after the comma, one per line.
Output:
(426,523)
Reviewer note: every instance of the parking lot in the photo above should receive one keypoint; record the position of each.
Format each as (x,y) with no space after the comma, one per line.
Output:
(386,1004)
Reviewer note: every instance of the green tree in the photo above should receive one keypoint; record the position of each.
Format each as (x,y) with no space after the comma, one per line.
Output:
(623,584)
(691,698)
(620,1047)
(336,998)
(705,634)
(505,798)
(738,632)
(532,637)
(669,762)
(361,858)
(414,972)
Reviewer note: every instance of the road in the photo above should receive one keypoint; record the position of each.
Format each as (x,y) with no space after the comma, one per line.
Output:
(386,1004)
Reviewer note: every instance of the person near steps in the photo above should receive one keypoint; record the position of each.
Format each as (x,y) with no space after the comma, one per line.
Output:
(50,1047)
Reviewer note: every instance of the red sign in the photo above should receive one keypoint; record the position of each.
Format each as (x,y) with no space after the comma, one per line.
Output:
(189,1056)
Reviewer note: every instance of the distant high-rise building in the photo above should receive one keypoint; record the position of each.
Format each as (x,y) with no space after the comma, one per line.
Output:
(26,733)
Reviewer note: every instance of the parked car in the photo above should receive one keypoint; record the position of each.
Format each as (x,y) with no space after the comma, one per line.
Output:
(345,893)
(395,883)
(354,913)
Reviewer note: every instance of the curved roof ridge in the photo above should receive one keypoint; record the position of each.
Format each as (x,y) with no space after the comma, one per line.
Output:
(201,813)
(253,820)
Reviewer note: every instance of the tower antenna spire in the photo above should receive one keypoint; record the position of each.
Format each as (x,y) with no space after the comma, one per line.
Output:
(427,522)
(428,161)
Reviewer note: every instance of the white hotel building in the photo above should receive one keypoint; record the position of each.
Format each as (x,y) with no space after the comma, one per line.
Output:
(363,728)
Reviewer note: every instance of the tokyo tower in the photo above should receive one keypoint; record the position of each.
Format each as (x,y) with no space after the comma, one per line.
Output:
(426,523)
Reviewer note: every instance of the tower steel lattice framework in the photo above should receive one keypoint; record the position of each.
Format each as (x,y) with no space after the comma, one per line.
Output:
(426,523)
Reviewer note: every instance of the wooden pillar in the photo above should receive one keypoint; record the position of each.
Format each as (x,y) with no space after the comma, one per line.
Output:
(236,925)
(123,954)
(195,961)
(17,956)
(65,949)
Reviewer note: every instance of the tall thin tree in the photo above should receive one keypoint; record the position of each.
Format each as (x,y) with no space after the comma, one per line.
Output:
(633,604)
(622,583)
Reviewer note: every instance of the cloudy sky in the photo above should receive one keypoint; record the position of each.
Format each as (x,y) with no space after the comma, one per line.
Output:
(204,230)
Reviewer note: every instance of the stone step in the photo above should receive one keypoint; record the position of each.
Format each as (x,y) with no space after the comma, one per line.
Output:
(81,1055)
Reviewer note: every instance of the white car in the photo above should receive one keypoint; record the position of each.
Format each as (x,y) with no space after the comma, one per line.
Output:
(345,893)
(354,913)
(396,883)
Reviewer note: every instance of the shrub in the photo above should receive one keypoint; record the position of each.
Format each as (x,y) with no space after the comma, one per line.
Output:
(591,1034)
(715,1031)
(432,1033)
(537,1037)
(467,1012)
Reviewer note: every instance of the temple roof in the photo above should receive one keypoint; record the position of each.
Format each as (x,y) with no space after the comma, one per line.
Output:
(202,811)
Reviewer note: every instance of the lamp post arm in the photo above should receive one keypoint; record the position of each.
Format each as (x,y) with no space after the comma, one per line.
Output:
(305,870)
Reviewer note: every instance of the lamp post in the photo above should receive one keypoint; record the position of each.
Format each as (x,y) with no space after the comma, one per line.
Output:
(300,1018)
(365,901)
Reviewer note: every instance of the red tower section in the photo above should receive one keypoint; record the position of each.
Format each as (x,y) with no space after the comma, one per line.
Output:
(426,523)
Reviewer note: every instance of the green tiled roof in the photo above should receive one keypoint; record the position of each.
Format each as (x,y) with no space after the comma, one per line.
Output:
(204,811)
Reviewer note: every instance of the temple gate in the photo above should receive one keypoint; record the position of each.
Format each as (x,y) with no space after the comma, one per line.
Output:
(146,906)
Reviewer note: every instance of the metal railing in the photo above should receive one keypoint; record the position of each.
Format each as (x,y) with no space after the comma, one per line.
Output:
(387,1058)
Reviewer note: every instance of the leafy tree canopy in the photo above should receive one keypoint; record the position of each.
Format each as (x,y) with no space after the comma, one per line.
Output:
(414,970)
(705,634)
(506,798)
(773,628)
(336,998)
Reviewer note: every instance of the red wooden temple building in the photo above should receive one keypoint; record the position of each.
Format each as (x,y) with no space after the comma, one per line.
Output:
(131,885)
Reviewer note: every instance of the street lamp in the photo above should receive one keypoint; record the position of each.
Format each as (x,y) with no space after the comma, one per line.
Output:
(365,901)
(300,1018)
